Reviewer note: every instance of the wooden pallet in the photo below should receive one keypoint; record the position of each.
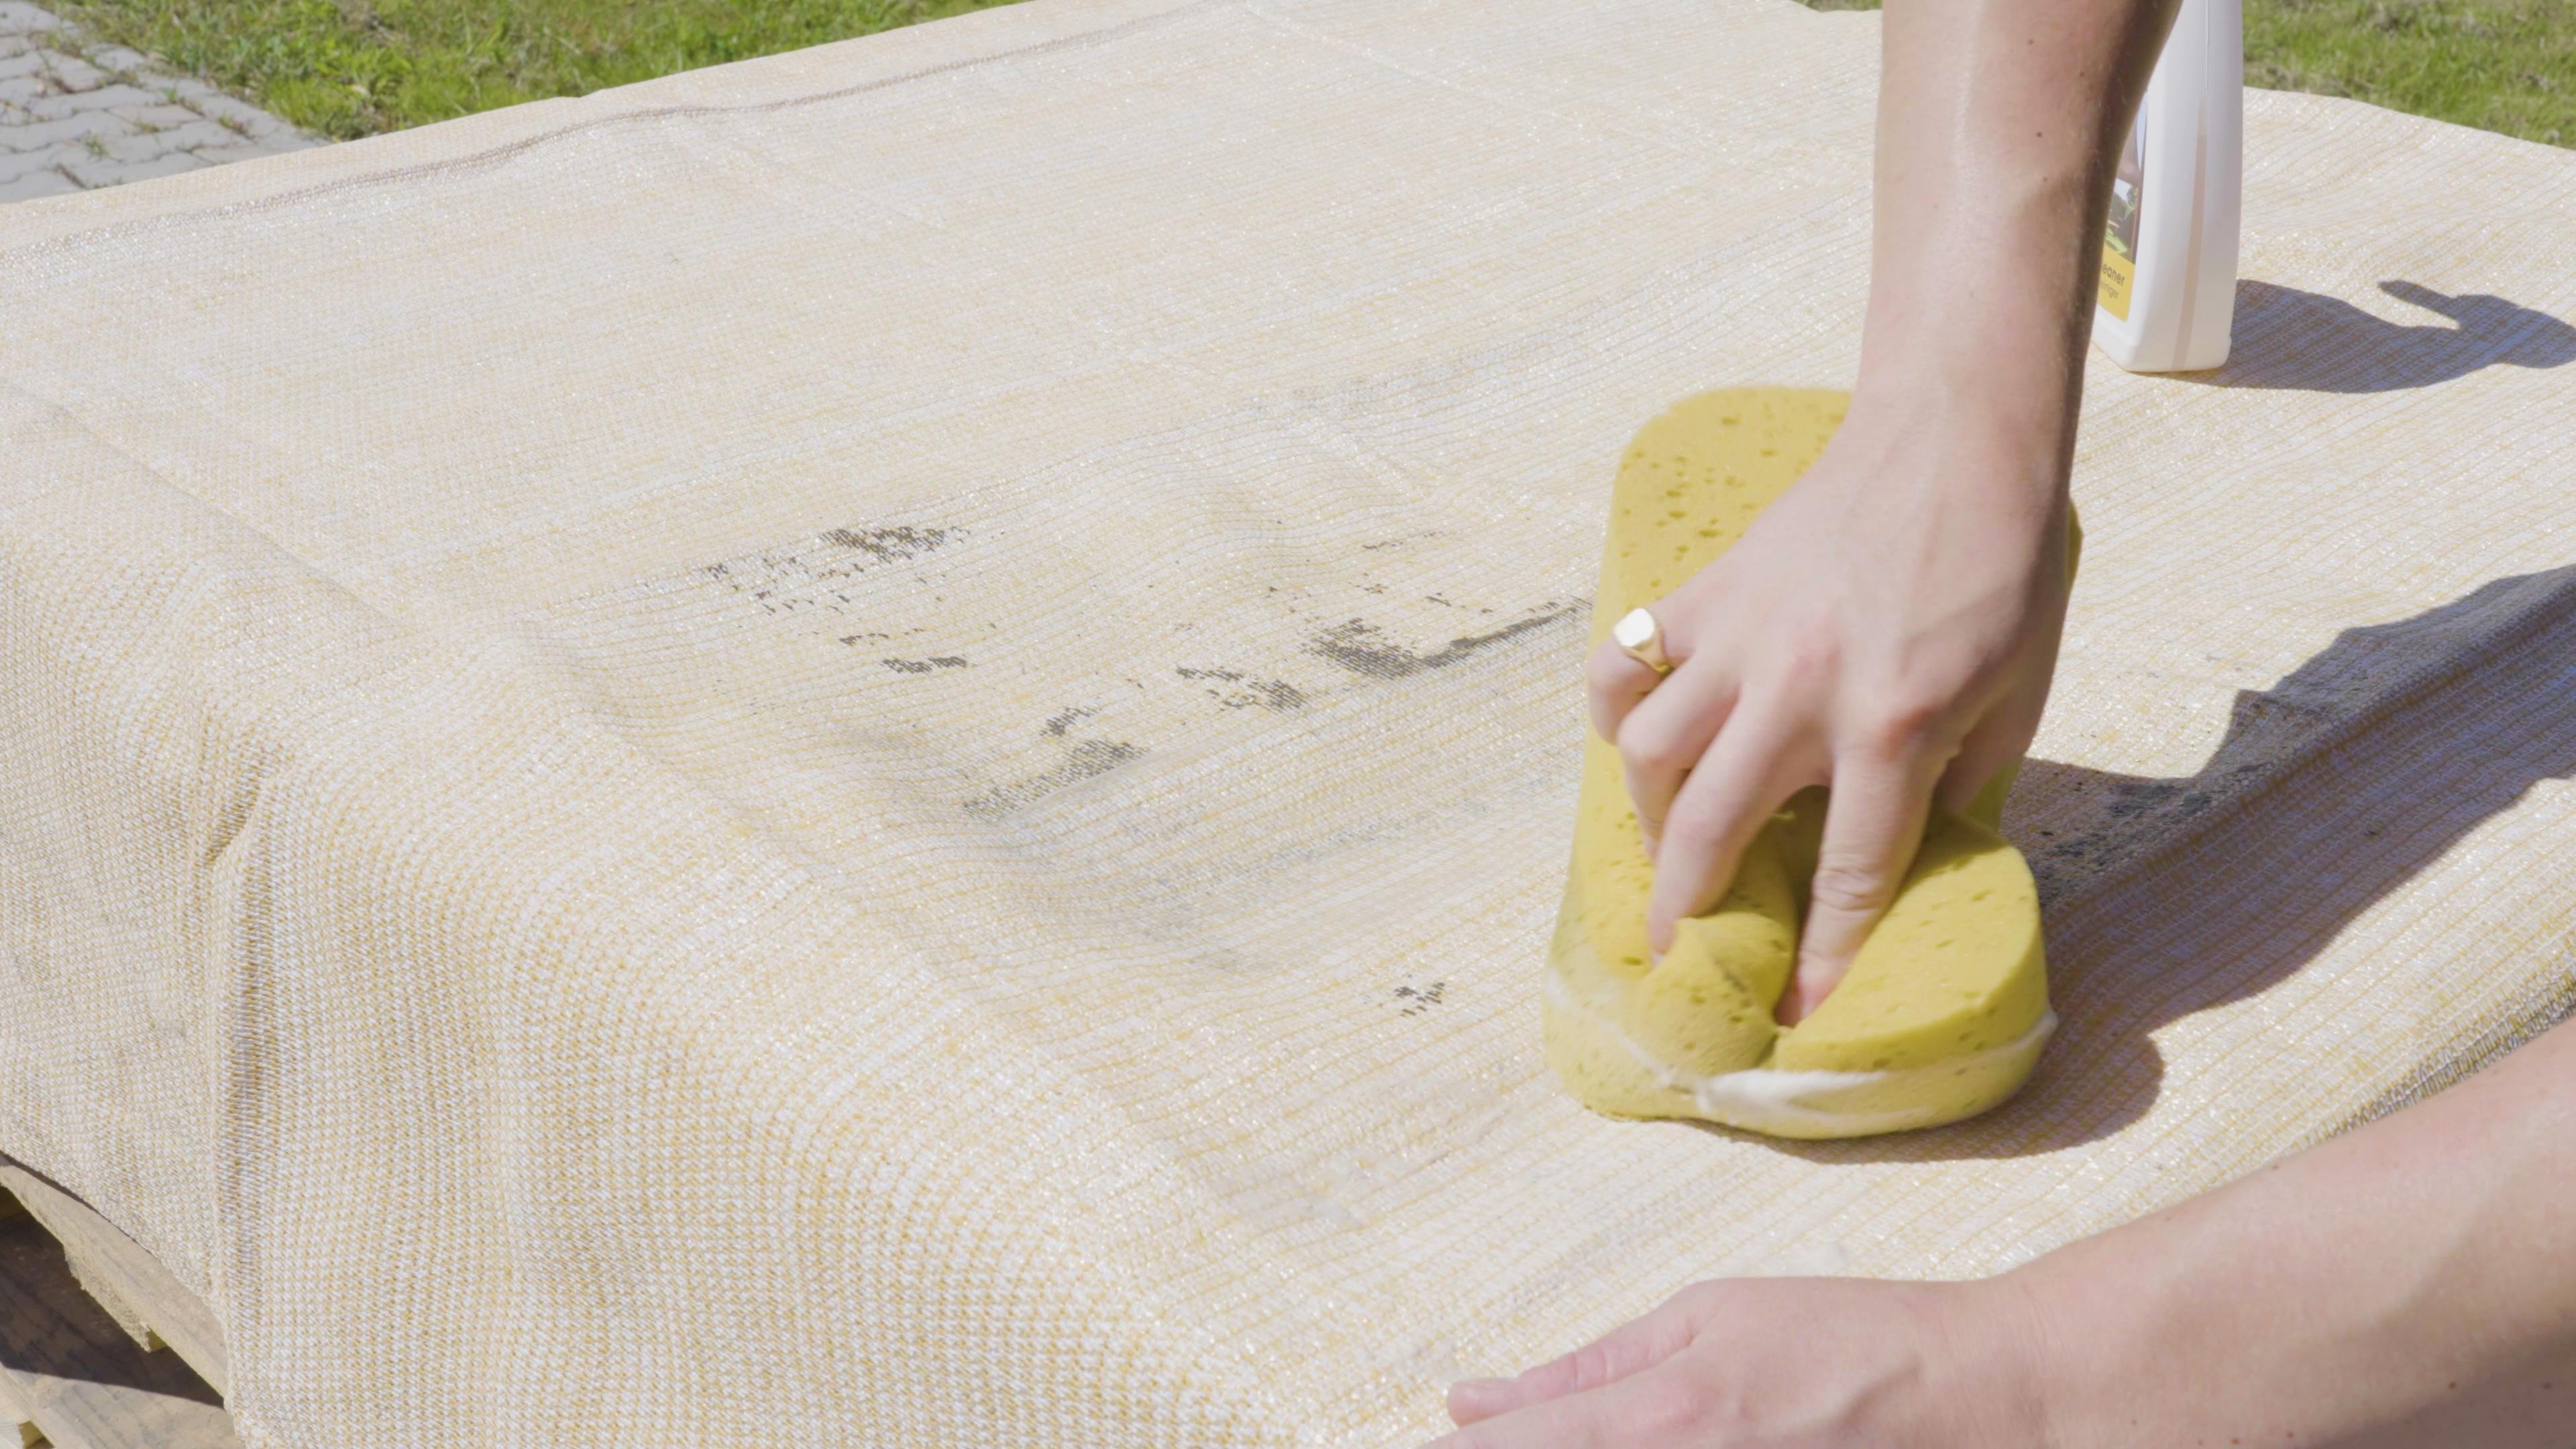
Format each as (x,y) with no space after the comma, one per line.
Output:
(100,1348)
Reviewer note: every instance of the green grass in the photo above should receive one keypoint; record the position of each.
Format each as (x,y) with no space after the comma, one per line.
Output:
(354,67)
(351,67)
(2503,65)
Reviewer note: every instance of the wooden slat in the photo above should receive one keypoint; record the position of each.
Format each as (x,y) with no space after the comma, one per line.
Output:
(17,1426)
(71,1371)
(137,1292)
(76,1413)
(101,1286)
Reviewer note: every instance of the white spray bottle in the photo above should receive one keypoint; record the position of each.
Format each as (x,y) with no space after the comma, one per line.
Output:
(2168,290)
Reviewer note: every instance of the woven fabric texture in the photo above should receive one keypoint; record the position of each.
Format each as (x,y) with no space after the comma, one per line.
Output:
(875,747)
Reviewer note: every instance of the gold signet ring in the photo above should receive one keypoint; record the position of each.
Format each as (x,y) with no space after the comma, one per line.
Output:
(1642,639)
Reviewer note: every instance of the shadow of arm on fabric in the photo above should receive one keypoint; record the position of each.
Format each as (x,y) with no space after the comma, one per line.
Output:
(2291,340)
(2357,772)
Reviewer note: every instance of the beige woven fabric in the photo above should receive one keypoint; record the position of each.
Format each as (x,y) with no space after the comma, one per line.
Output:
(874,748)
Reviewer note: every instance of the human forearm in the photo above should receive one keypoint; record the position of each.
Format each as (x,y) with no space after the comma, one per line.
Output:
(1887,628)
(2413,1282)
(1998,125)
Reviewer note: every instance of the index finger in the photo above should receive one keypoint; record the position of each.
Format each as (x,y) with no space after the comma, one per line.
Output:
(1632,1347)
(1750,771)
(1655,1407)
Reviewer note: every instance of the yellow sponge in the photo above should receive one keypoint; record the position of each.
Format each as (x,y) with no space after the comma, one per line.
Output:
(1946,1006)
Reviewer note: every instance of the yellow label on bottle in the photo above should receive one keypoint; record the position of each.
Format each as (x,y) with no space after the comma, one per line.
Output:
(2118,274)
(2120,232)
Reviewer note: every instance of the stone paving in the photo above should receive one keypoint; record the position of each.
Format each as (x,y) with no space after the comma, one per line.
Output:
(76,115)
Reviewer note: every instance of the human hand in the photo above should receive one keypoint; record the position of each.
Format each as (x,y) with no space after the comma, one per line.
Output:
(1779,1363)
(2292,1305)
(1887,628)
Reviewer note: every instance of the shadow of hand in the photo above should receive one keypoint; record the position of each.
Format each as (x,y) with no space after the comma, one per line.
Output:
(2348,778)
(2293,340)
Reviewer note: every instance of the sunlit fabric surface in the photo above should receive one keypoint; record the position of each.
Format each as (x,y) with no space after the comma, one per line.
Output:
(875,747)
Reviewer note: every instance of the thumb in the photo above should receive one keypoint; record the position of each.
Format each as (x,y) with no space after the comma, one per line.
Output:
(1873,825)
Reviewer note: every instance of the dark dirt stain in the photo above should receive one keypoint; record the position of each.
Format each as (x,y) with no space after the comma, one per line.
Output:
(2134,797)
(924,666)
(811,574)
(1235,690)
(1356,647)
(1084,760)
(1400,542)
(1058,724)
(1421,998)
(890,545)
